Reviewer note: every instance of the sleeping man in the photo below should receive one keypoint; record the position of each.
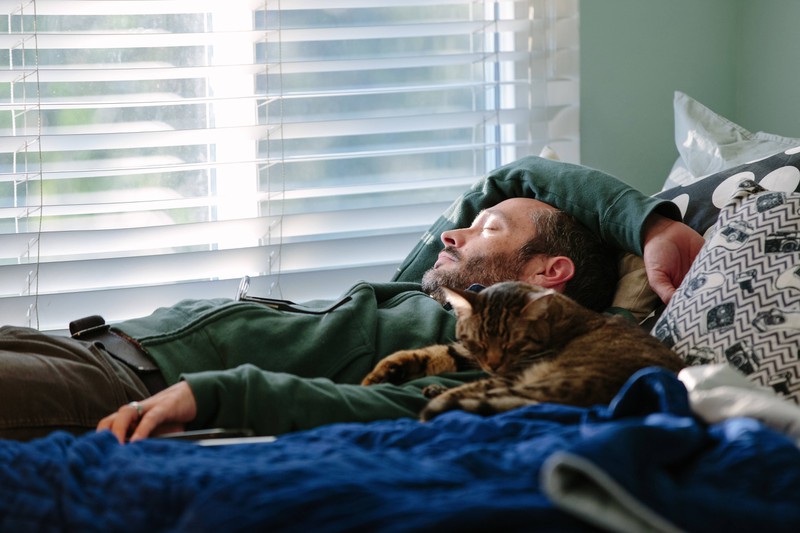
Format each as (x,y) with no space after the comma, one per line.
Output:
(224,363)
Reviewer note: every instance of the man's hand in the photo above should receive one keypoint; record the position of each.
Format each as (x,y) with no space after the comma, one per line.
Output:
(669,250)
(165,412)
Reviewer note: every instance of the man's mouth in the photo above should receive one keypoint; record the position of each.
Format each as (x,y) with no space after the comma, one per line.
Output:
(448,255)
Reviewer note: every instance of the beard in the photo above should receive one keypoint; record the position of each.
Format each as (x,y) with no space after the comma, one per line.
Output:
(484,270)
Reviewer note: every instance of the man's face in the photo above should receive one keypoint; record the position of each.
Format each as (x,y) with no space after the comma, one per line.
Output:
(488,251)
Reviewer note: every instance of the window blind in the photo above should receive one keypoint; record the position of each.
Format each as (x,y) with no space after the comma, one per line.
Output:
(155,150)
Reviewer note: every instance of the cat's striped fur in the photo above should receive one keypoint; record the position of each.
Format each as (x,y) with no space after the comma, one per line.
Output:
(536,344)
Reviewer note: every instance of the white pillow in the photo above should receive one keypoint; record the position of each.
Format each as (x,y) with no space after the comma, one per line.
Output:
(549,153)
(708,142)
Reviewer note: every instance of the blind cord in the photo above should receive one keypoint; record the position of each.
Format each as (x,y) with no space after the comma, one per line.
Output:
(41,170)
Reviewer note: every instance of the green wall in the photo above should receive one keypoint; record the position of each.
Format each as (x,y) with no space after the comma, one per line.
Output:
(768,69)
(741,58)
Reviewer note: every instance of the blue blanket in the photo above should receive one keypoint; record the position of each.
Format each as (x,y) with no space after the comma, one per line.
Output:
(641,461)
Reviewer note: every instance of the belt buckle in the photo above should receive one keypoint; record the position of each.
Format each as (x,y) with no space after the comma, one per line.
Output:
(86,326)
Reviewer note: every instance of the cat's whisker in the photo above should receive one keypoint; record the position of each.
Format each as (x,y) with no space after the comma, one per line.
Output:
(526,360)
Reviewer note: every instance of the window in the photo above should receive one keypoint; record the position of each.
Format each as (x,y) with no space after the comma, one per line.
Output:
(156,150)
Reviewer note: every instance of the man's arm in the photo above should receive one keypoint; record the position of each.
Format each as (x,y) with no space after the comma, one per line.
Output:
(273,403)
(622,216)
(608,207)
(270,403)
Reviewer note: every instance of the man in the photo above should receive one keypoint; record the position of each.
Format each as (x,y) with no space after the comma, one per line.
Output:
(238,364)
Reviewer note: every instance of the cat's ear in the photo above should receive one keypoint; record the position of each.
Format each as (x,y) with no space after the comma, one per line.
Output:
(461,301)
(538,303)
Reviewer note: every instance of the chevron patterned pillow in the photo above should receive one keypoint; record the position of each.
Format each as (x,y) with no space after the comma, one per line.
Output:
(740,301)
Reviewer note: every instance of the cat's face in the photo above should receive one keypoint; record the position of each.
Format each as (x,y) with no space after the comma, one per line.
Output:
(504,326)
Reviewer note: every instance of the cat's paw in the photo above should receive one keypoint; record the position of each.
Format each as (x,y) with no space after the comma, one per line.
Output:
(406,365)
(387,371)
(440,402)
(432,391)
(398,368)
(450,402)
(438,405)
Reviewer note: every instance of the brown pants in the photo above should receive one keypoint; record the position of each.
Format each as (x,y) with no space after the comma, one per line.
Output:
(49,383)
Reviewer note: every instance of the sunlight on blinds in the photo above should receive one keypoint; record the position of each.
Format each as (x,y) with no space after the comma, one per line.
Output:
(159,150)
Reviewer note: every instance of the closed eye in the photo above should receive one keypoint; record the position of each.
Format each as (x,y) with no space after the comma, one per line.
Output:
(495,221)
(472,346)
(528,347)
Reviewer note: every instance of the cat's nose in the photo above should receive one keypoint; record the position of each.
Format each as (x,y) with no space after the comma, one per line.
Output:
(495,364)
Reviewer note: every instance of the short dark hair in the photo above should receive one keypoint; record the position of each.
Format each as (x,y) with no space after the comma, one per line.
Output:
(596,273)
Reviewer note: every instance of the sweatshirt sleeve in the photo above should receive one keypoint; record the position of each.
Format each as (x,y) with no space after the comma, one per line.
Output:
(607,206)
(272,403)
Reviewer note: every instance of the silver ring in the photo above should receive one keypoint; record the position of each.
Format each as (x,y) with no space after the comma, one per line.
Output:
(137,406)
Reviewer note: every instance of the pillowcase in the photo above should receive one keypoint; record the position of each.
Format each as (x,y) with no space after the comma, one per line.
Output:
(548,153)
(708,142)
(740,302)
(700,202)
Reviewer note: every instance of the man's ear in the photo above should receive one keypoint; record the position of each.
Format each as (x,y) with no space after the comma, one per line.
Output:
(551,272)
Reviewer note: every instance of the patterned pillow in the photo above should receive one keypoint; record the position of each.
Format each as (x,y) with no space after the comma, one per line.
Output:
(740,301)
(701,201)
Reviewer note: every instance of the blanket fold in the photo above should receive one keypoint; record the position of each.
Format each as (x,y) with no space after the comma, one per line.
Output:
(669,470)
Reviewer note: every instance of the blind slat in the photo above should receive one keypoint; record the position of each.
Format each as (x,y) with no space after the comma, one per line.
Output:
(143,135)
(116,304)
(99,244)
(52,41)
(309,256)
(132,71)
(118,7)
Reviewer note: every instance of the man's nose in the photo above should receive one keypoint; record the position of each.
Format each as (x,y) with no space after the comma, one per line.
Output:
(453,237)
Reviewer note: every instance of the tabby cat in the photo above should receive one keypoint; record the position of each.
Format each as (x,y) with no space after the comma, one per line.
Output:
(537,345)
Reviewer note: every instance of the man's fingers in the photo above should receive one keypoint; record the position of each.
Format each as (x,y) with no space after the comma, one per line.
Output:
(662,285)
(122,421)
(105,422)
(665,292)
(147,424)
(165,411)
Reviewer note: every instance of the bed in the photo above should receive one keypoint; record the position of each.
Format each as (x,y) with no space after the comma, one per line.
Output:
(715,448)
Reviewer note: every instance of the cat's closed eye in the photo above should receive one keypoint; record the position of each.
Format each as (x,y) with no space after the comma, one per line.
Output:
(471,345)
(517,347)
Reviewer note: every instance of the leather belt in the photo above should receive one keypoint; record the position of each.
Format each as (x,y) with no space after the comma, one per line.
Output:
(124,349)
